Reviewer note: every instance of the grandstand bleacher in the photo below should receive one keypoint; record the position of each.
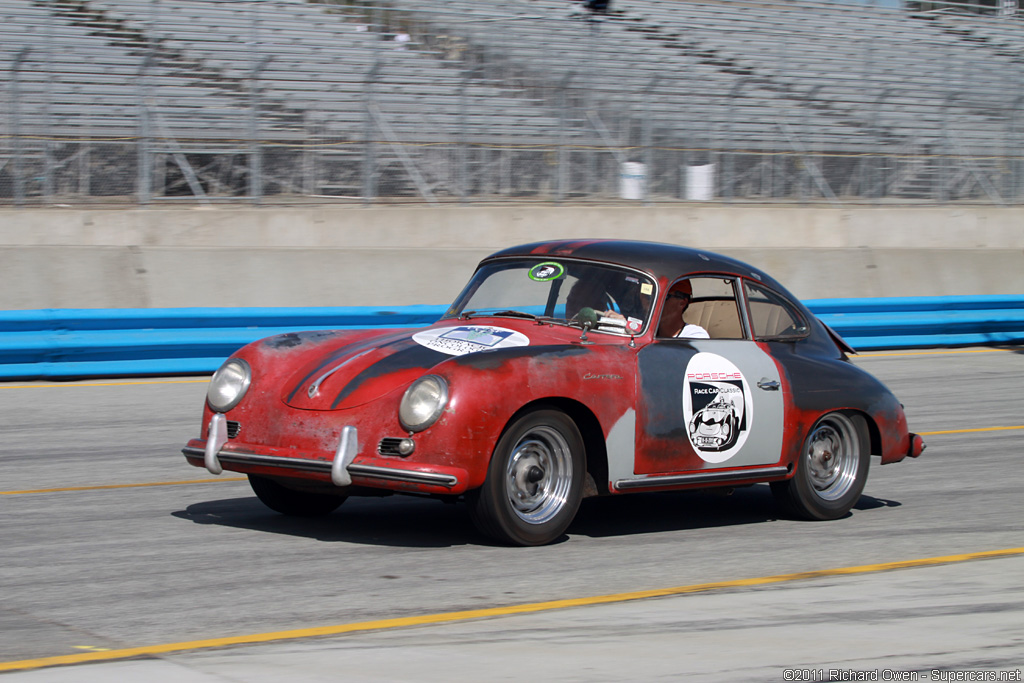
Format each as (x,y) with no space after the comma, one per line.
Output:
(151,99)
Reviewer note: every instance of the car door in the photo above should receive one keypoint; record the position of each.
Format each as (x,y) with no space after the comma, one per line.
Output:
(708,404)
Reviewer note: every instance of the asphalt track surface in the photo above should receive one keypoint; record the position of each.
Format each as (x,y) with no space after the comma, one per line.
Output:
(121,562)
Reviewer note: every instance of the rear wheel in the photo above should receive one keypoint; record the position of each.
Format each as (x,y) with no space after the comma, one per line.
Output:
(534,482)
(291,502)
(832,469)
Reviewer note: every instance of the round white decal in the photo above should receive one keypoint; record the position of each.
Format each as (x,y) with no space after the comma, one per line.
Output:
(717,406)
(458,341)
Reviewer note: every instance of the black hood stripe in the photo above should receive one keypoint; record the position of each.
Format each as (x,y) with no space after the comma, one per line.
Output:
(415,356)
(341,353)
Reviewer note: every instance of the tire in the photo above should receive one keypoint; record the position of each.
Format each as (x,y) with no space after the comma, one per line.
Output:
(832,469)
(291,502)
(534,481)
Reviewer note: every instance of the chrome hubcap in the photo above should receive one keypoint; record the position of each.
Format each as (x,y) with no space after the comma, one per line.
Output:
(539,475)
(832,457)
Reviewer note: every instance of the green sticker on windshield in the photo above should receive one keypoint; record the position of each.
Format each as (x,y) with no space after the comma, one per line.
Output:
(549,270)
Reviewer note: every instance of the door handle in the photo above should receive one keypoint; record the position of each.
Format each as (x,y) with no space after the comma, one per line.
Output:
(768,384)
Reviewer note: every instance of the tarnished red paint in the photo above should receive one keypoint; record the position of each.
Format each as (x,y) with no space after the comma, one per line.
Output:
(599,378)
(307,387)
(892,427)
(286,422)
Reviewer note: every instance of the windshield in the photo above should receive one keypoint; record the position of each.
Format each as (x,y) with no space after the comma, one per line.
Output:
(610,299)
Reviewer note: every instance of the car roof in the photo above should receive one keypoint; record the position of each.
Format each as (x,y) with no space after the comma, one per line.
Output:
(666,261)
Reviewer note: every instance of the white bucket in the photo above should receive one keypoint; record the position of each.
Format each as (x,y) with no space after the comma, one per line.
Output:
(700,182)
(632,180)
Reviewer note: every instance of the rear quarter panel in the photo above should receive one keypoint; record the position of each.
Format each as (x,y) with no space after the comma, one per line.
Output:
(821,381)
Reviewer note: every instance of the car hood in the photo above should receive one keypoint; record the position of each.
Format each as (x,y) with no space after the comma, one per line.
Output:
(345,375)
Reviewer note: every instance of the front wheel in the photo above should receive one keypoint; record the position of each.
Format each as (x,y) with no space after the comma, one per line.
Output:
(832,469)
(534,482)
(291,502)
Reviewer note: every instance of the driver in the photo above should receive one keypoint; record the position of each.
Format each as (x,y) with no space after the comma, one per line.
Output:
(676,302)
(590,293)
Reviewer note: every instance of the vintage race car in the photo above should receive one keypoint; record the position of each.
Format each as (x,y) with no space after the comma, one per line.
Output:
(551,378)
(713,427)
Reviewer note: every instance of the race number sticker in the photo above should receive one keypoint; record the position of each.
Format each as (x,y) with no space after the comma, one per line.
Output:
(458,341)
(717,407)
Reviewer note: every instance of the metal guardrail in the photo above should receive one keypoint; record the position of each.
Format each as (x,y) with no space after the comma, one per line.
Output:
(66,343)
(76,343)
(920,322)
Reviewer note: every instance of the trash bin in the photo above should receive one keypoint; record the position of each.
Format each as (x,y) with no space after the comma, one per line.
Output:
(632,180)
(700,182)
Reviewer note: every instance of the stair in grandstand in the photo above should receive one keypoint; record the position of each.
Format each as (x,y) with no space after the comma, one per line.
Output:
(132,37)
(1001,38)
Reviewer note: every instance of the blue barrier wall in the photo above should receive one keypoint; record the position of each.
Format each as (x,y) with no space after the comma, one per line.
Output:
(62,343)
(922,322)
(69,343)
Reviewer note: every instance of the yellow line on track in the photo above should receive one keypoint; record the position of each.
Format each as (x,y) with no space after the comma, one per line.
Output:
(101,487)
(468,615)
(968,431)
(63,385)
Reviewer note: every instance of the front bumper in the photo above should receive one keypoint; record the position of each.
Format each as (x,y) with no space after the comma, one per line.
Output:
(345,469)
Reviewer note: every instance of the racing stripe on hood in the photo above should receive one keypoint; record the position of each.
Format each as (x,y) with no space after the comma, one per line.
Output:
(413,356)
(333,358)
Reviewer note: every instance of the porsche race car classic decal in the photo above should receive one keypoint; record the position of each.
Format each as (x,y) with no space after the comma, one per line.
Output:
(458,341)
(717,407)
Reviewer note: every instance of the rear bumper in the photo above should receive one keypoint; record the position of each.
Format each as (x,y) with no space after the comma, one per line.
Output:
(912,447)
(917,445)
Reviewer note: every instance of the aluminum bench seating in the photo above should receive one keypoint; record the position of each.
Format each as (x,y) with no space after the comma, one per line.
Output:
(701,52)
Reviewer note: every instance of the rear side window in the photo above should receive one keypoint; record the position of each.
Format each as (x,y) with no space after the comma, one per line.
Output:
(771,316)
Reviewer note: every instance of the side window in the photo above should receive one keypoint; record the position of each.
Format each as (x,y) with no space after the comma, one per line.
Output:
(713,307)
(709,310)
(772,316)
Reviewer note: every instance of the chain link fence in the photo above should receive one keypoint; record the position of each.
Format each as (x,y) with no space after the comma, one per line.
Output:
(143,101)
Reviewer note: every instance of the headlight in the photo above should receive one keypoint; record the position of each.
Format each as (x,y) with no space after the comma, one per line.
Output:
(228,385)
(423,403)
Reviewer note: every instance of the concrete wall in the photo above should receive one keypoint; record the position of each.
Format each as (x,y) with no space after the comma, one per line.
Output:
(342,255)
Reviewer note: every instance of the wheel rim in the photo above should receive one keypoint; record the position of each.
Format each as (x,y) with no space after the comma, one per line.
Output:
(832,456)
(539,475)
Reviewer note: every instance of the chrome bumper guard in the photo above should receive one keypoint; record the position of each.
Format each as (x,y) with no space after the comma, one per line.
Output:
(216,437)
(341,468)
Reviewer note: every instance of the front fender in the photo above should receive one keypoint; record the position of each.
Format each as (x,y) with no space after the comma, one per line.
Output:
(488,389)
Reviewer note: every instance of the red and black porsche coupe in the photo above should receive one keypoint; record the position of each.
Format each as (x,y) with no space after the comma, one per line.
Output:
(557,374)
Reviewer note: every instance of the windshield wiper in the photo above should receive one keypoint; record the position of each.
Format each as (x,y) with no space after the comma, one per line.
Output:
(515,314)
(466,315)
